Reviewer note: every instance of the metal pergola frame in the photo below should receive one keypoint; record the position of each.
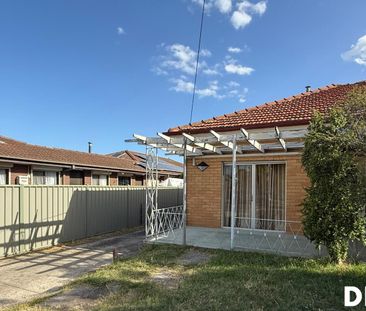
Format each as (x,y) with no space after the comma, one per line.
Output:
(252,142)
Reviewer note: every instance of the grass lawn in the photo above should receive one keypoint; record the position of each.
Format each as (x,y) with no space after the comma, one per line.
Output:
(157,279)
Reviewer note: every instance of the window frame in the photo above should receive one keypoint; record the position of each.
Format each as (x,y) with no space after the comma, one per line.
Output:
(7,177)
(125,177)
(44,176)
(253,164)
(98,175)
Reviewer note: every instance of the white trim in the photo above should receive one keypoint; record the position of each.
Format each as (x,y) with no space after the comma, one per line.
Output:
(225,142)
(280,139)
(206,146)
(251,141)
(249,155)
(46,168)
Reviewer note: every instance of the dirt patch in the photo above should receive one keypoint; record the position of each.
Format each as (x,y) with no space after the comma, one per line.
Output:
(166,278)
(193,257)
(82,297)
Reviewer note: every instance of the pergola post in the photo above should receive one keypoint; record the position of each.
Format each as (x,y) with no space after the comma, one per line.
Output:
(185,193)
(151,186)
(233,193)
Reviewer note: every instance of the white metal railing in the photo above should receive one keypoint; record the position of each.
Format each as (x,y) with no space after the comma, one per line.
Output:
(275,236)
(167,220)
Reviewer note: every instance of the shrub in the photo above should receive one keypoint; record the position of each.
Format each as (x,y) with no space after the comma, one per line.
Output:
(334,206)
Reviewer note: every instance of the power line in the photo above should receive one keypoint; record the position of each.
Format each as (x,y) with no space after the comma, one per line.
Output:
(197,60)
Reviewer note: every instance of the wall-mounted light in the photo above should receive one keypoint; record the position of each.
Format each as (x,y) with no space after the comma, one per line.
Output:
(202,166)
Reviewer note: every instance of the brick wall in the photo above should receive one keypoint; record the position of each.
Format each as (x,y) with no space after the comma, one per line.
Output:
(18,170)
(137,180)
(66,178)
(87,177)
(204,188)
(113,179)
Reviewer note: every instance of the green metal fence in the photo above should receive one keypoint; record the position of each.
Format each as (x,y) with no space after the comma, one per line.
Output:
(33,217)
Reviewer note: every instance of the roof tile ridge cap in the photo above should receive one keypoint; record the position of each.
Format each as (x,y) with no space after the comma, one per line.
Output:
(131,155)
(231,114)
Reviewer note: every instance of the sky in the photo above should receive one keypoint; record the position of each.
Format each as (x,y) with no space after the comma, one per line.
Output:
(73,71)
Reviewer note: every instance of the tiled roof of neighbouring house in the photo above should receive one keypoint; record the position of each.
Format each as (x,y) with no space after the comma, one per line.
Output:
(164,164)
(13,149)
(295,110)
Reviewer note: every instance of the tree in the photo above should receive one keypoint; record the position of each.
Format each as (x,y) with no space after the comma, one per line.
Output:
(334,206)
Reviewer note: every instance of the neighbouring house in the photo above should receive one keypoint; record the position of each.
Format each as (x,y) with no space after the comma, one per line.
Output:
(167,168)
(270,180)
(22,163)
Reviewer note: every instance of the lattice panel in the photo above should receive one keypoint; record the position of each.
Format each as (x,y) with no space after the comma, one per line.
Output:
(151,190)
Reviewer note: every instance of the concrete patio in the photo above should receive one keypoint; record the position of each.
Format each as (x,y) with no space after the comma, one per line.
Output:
(250,240)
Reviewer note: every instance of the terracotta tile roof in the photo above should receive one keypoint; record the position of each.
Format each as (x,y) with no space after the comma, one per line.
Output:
(295,110)
(165,165)
(16,150)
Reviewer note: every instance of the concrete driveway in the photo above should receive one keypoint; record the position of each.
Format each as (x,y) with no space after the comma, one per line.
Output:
(34,274)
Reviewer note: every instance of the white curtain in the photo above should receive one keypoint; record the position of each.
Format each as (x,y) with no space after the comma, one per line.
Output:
(244,196)
(103,180)
(227,196)
(38,178)
(100,180)
(270,196)
(50,178)
(2,177)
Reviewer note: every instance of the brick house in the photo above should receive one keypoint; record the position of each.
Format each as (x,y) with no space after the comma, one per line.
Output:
(22,163)
(268,140)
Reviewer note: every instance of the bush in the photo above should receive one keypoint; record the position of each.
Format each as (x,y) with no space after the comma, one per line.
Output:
(333,210)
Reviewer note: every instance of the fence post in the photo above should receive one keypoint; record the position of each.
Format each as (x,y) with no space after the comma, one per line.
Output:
(21,220)
(86,210)
(128,208)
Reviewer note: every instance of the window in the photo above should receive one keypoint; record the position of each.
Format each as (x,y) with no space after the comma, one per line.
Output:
(3,177)
(76,178)
(260,196)
(44,178)
(124,181)
(100,180)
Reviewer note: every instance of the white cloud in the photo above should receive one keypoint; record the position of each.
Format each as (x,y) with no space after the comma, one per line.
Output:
(357,53)
(182,86)
(224,6)
(178,64)
(258,8)
(211,90)
(120,31)
(238,69)
(230,90)
(234,50)
(182,58)
(243,10)
(210,72)
(205,53)
(233,84)
(241,17)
